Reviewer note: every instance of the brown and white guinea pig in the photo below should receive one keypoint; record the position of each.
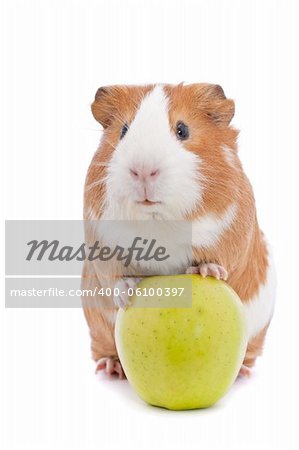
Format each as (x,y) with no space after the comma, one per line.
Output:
(168,153)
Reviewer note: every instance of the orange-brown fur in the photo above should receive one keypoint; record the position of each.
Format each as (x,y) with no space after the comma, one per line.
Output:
(241,250)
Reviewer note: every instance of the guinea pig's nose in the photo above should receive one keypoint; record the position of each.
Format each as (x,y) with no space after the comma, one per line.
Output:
(144,174)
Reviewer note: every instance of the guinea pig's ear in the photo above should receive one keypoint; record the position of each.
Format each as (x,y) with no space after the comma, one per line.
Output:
(104,106)
(215,104)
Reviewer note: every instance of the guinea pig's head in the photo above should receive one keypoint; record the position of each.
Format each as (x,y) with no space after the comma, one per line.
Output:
(167,151)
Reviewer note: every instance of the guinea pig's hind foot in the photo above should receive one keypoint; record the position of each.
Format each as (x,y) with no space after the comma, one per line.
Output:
(123,290)
(209,269)
(111,366)
(244,372)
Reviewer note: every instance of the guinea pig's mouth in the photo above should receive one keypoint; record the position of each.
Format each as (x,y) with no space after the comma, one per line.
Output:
(147,202)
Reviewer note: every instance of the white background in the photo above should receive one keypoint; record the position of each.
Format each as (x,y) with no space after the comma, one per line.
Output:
(54,56)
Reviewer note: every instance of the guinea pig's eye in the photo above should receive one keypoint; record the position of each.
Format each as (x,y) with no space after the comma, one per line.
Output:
(182,131)
(124,130)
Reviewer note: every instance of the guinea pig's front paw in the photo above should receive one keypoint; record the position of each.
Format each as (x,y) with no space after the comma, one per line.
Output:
(123,291)
(211,269)
(111,366)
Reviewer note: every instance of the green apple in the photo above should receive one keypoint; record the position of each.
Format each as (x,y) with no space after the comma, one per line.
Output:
(187,356)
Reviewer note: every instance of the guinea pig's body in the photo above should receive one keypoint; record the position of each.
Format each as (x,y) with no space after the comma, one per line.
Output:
(168,153)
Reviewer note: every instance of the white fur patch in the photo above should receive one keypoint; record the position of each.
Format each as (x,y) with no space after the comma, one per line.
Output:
(259,310)
(207,230)
(173,236)
(150,144)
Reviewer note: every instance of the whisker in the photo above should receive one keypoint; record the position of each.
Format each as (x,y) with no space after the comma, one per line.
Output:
(110,143)
(95,184)
(101,164)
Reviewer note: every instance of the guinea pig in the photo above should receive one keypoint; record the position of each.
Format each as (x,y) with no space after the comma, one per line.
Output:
(169,153)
